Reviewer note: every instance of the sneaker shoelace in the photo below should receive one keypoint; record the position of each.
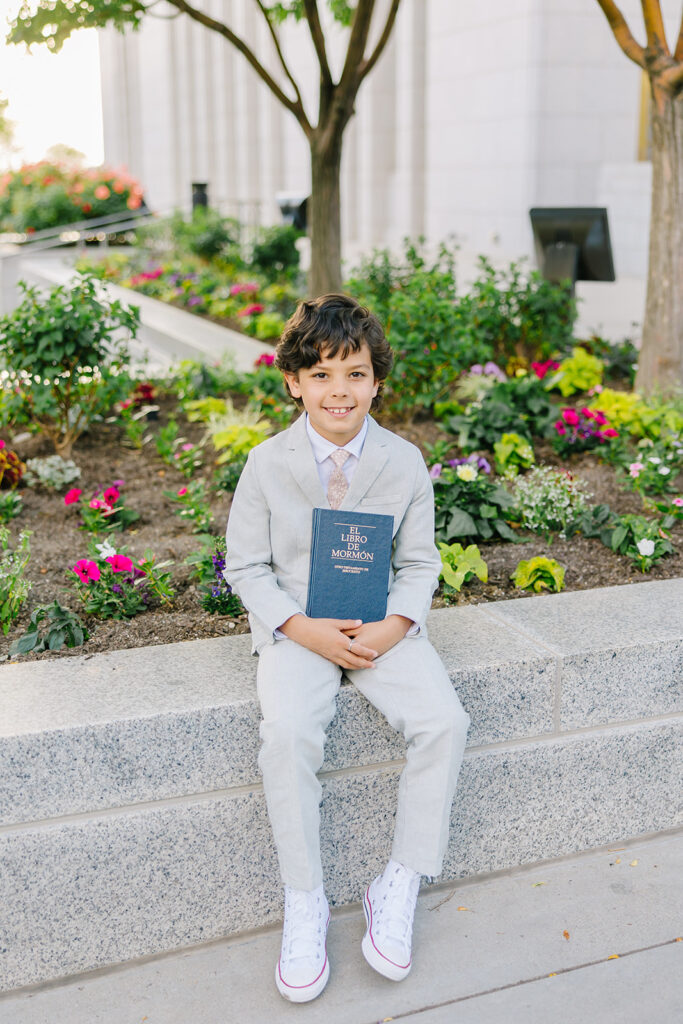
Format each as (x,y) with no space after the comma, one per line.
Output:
(304,927)
(397,908)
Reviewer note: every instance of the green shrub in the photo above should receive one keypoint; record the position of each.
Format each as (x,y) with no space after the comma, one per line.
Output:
(64,364)
(51,471)
(513,313)
(274,253)
(643,540)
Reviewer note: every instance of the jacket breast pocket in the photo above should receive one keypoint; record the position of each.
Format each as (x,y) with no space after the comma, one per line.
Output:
(380,499)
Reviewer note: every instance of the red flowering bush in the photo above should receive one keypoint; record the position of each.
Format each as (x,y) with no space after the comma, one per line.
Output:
(45,195)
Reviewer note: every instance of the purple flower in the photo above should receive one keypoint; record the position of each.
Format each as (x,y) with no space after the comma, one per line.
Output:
(435,471)
(492,369)
(194,300)
(476,368)
(116,588)
(483,464)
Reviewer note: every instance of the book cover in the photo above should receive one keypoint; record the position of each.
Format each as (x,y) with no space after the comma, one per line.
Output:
(350,565)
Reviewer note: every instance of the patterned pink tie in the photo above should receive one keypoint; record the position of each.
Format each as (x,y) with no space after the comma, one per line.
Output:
(337,487)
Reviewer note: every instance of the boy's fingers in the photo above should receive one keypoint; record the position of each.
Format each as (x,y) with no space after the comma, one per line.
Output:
(343,624)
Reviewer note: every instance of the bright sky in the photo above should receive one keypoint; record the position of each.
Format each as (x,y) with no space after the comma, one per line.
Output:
(52,97)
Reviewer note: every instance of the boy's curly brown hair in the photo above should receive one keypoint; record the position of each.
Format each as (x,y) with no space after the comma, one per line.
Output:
(329,325)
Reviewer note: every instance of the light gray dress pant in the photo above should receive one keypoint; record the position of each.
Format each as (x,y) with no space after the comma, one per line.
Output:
(297,690)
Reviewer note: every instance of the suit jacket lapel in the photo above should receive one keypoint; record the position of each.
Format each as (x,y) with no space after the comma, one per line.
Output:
(302,464)
(371,462)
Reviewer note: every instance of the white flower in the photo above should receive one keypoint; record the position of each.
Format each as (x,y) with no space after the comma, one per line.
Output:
(466,472)
(664,470)
(105,550)
(653,458)
(646,547)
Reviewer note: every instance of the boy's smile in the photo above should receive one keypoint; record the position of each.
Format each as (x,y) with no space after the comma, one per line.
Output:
(337,393)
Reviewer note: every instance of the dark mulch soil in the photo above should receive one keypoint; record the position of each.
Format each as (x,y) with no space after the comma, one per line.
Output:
(57,542)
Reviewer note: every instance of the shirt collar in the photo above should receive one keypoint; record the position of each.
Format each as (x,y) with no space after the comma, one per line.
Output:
(322,448)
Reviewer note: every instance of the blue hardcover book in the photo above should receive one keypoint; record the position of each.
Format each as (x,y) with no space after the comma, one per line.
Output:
(350,565)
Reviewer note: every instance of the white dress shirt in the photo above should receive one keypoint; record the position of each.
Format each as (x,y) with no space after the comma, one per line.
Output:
(322,449)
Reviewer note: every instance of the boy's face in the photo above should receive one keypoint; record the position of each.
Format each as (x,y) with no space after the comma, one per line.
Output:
(337,393)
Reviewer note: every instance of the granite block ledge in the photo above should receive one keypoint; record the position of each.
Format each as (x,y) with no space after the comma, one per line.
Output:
(79,895)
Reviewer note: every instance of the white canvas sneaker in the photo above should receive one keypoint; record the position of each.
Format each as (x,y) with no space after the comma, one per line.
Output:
(302,971)
(389,905)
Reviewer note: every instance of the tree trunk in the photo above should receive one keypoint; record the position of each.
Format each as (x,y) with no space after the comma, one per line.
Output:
(324,217)
(660,363)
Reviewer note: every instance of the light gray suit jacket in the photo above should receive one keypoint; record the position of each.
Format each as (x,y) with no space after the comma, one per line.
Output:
(268,537)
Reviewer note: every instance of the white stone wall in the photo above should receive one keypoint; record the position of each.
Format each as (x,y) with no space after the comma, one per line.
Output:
(475,113)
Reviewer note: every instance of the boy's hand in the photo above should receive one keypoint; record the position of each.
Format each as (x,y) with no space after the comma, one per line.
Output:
(381,636)
(326,637)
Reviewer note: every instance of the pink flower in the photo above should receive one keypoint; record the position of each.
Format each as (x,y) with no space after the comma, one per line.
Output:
(678,502)
(541,369)
(600,418)
(570,416)
(118,483)
(588,413)
(120,563)
(635,468)
(101,192)
(241,289)
(255,307)
(2,444)
(610,432)
(182,492)
(71,496)
(188,446)
(560,428)
(86,570)
(111,495)
(95,503)
(265,359)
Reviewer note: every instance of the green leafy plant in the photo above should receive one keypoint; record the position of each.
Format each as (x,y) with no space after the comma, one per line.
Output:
(468,504)
(63,363)
(275,253)
(519,405)
(619,358)
(513,453)
(548,500)
(643,540)
(11,505)
(459,565)
(194,505)
(51,472)
(234,432)
(208,564)
(654,470)
(165,440)
(50,627)
(539,574)
(14,588)
(579,372)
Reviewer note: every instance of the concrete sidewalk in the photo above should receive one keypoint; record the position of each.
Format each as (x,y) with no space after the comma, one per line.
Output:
(595,938)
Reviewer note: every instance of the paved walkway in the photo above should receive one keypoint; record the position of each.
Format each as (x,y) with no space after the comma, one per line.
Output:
(596,938)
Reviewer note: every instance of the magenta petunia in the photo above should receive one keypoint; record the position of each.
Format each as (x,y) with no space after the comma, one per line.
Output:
(86,570)
(560,427)
(610,432)
(71,496)
(265,359)
(182,492)
(120,563)
(570,416)
(111,495)
(95,503)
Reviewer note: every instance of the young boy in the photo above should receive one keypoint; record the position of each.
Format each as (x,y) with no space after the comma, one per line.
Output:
(335,358)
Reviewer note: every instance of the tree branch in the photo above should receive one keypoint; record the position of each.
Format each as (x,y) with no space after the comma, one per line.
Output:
(622,33)
(360,30)
(294,106)
(276,42)
(678,52)
(654,26)
(367,65)
(313,19)
(672,78)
